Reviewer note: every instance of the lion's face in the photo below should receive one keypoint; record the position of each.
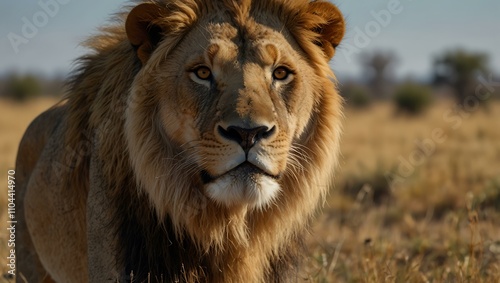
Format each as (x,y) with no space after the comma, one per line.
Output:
(235,103)
(236,100)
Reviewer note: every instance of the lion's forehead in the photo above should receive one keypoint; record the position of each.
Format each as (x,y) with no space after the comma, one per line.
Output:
(259,44)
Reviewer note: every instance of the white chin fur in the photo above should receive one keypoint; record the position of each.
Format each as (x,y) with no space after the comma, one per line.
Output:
(257,192)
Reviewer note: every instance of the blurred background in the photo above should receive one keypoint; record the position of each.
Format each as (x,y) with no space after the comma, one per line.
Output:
(416,197)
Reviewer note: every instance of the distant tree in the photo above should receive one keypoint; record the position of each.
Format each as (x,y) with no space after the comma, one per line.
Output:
(460,69)
(378,67)
(21,88)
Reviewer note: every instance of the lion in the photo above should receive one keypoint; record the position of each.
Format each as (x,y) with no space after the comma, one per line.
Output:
(195,144)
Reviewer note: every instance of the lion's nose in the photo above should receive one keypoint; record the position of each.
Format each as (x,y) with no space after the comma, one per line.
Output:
(246,138)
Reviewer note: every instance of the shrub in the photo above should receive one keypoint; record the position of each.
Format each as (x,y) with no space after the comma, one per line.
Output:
(22,88)
(356,96)
(412,98)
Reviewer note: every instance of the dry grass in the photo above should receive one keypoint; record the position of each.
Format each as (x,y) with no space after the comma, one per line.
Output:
(440,223)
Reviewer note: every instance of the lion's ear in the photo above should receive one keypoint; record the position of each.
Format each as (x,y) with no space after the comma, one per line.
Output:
(142,33)
(331,26)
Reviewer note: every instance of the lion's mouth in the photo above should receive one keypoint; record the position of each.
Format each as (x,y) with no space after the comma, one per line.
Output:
(244,170)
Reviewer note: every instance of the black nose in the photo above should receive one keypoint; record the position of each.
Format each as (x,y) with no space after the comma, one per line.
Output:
(246,138)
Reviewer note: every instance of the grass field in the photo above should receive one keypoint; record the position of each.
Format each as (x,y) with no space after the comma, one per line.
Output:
(416,199)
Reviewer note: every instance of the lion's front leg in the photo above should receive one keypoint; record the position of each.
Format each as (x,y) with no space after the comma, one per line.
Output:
(30,269)
(102,246)
(52,214)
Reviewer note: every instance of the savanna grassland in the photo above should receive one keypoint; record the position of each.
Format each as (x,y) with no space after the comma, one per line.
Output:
(415,199)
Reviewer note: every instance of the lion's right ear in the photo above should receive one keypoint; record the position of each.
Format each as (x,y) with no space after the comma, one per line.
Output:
(142,33)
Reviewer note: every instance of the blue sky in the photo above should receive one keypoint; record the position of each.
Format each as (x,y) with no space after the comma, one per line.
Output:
(416,30)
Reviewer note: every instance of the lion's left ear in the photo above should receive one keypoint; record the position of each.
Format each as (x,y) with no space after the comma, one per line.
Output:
(331,26)
(142,33)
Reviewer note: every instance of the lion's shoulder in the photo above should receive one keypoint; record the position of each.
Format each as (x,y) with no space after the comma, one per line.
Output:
(37,134)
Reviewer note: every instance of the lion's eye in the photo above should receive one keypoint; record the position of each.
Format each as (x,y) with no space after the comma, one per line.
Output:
(281,73)
(203,73)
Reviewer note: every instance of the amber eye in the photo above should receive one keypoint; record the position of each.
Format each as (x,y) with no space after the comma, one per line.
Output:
(281,73)
(203,73)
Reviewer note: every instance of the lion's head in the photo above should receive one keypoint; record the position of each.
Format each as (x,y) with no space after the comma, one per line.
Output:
(228,101)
